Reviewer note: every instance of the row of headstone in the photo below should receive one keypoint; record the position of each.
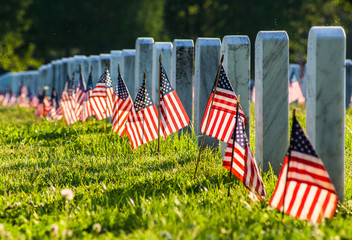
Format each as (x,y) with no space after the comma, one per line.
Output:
(325,85)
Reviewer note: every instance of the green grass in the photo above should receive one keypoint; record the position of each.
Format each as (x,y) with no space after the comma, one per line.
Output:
(133,194)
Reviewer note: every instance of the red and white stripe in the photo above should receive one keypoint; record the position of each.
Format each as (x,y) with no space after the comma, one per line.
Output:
(142,126)
(80,97)
(59,114)
(310,195)
(86,109)
(68,107)
(121,111)
(173,115)
(222,115)
(102,101)
(245,168)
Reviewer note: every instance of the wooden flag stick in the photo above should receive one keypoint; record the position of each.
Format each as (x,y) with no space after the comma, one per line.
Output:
(144,82)
(287,167)
(106,115)
(234,141)
(207,122)
(159,104)
(118,115)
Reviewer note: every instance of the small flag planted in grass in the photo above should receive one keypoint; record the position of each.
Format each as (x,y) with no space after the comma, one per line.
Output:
(68,102)
(102,96)
(80,95)
(172,113)
(87,109)
(222,106)
(304,188)
(142,123)
(239,160)
(122,106)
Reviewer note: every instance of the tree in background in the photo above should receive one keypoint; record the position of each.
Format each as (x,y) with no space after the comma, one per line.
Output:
(15,53)
(41,30)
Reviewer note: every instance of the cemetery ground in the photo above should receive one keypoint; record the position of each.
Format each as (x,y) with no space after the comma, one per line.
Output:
(134,194)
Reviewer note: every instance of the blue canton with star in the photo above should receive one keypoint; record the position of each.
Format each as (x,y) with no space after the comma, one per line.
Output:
(121,90)
(299,141)
(224,82)
(165,86)
(143,99)
(89,82)
(105,78)
(81,84)
(240,135)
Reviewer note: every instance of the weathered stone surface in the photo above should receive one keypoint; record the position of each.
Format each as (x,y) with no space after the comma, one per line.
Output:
(143,63)
(207,58)
(165,50)
(236,51)
(181,75)
(104,61)
(116,58)
(271,98)
(94,62)
(326,100)
(127,68)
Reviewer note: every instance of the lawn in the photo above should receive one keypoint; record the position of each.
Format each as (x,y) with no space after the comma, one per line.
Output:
(135,194)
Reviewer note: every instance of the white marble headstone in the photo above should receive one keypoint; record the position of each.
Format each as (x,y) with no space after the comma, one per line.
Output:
(237,54)
(165,49)
(207,59)
(326,100)
(116,57)
(182,72)
(94,62)
(271,99)
(144,62)
(127,68)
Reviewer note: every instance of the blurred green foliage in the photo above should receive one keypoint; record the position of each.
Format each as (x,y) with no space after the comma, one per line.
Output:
(33,32)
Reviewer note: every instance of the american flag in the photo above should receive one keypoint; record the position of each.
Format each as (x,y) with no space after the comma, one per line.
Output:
(33,100)
(39,109)
(122,107)
(7,98)
(172,113)
(223,110)
(68,102)
(304,190)
(23,98)
(49,110)
(142,123)
(13,100)
(294,89)
(80,95)
(102,96)
(244,166)
(87,110)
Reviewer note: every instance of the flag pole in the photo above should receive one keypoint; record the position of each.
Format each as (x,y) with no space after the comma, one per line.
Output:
(207,122)
(106,116)
(119,73)
(159,105)
(144,82)
(234,141)
(287,167)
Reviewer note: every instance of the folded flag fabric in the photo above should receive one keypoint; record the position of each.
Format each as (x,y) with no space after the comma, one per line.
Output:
(102,96)
(122,107)
(304,189)
(173,116)
(142,123)
(244,166)
(222,110)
